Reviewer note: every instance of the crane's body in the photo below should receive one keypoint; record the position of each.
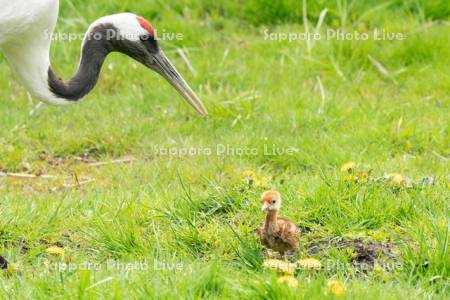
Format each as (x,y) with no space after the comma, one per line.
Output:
(24,25)
(26,17)
(26,28)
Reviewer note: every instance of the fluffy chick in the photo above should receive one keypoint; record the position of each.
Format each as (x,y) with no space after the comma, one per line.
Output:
(276,233)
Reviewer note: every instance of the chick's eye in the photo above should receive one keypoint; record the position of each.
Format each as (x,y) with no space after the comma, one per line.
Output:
(274,201)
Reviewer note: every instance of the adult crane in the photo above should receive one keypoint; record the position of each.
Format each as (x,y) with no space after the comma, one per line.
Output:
(26,31)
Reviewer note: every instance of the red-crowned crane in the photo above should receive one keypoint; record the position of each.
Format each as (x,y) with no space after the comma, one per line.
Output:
(26,28)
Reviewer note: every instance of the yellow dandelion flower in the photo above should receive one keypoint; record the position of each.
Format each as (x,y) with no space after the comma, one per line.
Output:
(396,179)
(309,264)
(251,178)
(289,280)
(249,174)
(279,265)
(336,287)
(55,251)
(363,177)
(351,178)
(13,268)
(348,167)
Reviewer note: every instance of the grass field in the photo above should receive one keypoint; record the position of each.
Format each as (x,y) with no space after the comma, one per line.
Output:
(284,115)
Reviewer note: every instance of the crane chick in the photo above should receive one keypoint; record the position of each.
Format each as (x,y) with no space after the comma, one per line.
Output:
(276,233)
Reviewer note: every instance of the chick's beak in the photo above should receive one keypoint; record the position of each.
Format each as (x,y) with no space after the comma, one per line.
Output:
(163,66)
(265,207)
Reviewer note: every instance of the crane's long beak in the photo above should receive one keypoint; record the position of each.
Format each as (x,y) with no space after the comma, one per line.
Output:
(164,67)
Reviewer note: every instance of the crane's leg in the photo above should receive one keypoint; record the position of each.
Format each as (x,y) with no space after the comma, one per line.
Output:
(3,263)
(290,256)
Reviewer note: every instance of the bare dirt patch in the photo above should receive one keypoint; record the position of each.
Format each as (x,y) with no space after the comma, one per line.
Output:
(365,252)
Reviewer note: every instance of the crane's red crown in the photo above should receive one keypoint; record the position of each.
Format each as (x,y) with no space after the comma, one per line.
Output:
(146,25)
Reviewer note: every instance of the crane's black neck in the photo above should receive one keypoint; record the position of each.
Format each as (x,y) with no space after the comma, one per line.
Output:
(96,47)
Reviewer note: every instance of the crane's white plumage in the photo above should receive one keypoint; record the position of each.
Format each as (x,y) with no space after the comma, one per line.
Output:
(23,26)
(26,28)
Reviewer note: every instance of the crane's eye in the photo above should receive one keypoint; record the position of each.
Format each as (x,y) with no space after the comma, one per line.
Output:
(145,38)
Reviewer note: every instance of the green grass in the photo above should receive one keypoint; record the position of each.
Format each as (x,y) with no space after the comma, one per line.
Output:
(192,218)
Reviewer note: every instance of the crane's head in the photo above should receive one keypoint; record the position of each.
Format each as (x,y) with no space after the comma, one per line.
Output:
(134,36)
(271,201)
